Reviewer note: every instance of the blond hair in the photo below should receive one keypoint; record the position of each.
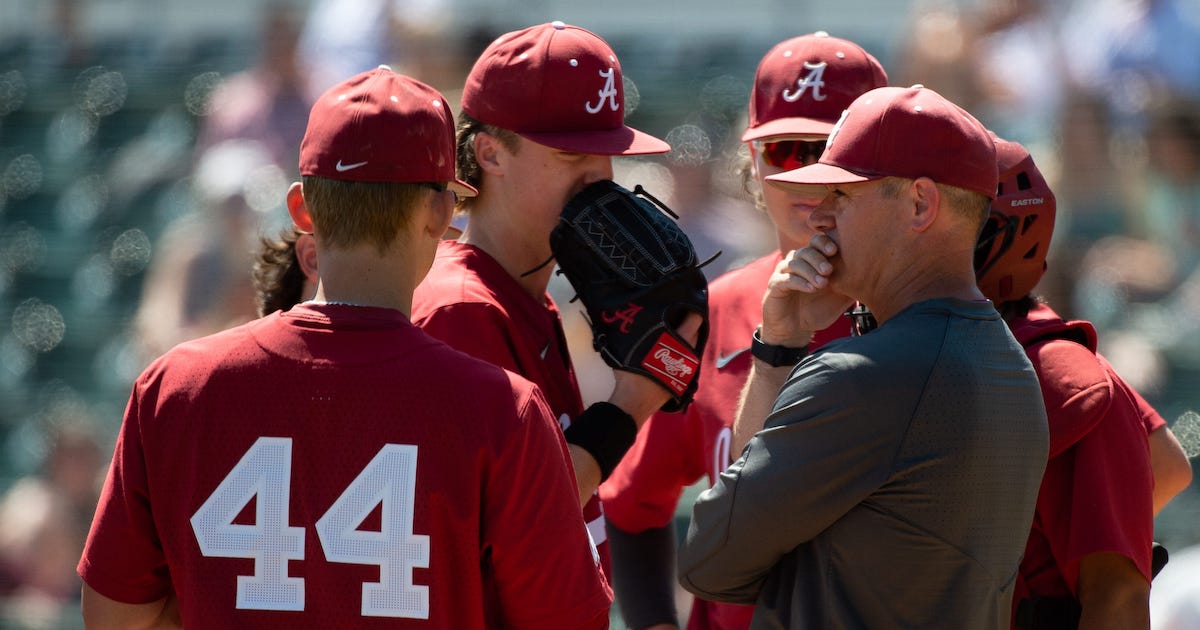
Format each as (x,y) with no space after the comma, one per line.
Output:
(347,214)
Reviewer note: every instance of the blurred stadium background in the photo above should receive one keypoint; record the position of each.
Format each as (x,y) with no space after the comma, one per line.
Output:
(146,144)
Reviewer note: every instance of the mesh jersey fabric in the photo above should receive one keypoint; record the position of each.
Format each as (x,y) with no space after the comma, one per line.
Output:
(471,303)
(674,450)
(893,484)
(1096,494)
(336,392)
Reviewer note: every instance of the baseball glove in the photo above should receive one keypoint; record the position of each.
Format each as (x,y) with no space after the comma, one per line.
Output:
(638,277)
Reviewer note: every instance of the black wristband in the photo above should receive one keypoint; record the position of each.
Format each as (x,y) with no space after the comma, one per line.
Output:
(773,355)
(605,431)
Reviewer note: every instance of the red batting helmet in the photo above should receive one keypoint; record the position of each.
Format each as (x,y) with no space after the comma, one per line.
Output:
(1010,256)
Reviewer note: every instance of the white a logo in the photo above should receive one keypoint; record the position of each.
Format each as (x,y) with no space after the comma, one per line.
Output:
(836,128)
(812,79)
(608,92)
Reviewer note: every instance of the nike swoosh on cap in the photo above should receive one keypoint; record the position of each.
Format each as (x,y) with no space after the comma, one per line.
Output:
(724,360)
(341,168)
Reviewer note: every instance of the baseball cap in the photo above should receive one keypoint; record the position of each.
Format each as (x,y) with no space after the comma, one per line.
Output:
(803,84)
(379,126)
(559,86)
(903,132)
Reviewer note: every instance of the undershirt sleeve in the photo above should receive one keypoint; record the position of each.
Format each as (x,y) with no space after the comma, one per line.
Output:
(644,575)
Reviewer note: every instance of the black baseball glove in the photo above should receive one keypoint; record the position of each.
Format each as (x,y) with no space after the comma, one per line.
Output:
(638,277)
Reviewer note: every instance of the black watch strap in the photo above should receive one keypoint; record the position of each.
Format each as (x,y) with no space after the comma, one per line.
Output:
(775,356)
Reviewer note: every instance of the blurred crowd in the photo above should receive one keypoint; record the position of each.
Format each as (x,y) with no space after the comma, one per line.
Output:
(1104,93)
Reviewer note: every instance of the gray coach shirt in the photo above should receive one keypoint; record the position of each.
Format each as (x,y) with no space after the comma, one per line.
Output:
(893,485)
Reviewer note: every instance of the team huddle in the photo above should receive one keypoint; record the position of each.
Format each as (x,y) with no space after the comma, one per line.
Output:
(401,441)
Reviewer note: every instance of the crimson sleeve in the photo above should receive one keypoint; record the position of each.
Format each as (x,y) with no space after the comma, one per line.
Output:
(547,572)
(1097,496)
(123,558)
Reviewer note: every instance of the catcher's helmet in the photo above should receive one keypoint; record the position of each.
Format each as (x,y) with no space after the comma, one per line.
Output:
(1010,256)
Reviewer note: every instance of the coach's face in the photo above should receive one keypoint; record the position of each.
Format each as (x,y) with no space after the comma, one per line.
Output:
(861,219)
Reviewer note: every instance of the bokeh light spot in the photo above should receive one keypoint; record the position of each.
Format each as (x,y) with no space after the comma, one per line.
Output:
(130,252)
(690,145)
(12,91)
(22,248)
(38,325)
(266,188)
(1187,431)
(22,177)
(633,97)
(724,96)
(198,94)
(100,91)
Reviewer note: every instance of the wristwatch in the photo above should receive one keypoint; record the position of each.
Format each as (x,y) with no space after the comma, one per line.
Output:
(773,355)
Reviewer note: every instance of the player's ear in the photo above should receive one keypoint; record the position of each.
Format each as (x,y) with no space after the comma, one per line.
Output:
(440,212)
(924,198)
(306,255)
(487,152)
(297,208)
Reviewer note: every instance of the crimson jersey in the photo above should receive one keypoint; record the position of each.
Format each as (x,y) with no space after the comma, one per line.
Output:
(675,450)
(470,302)
(322,468)
(1096,494)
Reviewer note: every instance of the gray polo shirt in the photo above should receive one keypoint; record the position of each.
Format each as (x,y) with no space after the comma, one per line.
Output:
(893,485)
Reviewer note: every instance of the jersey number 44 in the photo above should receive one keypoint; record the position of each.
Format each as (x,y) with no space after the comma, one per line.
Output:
(265,472)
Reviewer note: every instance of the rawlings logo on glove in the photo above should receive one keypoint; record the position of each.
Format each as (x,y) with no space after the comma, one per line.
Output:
(638,277)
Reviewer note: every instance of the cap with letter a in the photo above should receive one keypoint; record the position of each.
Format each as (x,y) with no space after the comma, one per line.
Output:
(903,132)
(379,126)
(559,86)
(802,85)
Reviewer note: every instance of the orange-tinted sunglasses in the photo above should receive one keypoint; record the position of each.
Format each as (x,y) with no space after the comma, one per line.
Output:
(790,154)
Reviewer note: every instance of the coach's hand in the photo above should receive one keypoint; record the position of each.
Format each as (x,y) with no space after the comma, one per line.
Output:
(799,299)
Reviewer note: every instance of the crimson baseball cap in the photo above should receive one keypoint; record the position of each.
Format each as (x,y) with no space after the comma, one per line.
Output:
(379,126)
(903,132)
(559,86)
(803,84)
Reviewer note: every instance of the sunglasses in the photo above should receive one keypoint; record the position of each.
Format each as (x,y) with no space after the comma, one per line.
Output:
(790,154)
(441,187)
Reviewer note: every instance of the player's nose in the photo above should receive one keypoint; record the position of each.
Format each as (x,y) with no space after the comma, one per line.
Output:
(596,168)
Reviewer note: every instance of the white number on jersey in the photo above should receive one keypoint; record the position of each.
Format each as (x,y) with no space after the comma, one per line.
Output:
(265,472)
(390,479)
